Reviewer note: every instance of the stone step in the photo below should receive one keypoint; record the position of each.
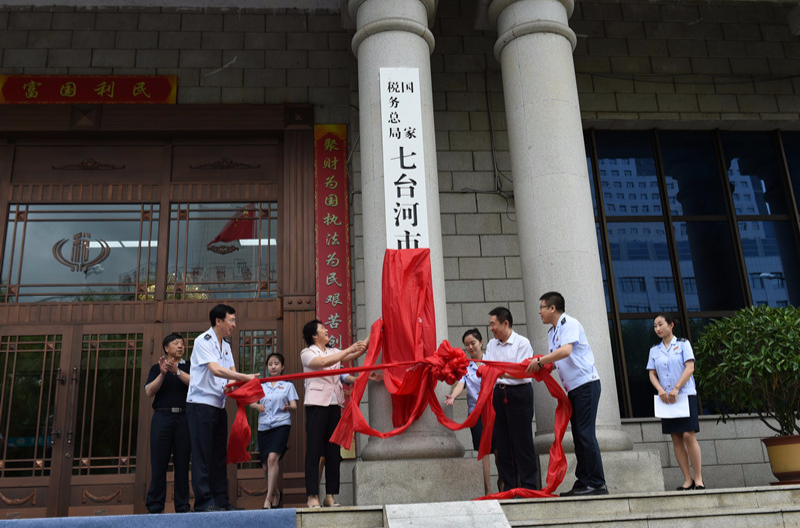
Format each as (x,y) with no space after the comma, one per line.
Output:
(783,517)
(762,507)
(645,503)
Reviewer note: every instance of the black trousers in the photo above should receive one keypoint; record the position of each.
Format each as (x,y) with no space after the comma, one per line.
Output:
(585,401)
(169,435)
(208,426)
(320,424)
(513,435)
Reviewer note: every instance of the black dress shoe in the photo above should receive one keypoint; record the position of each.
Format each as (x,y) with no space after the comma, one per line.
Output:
(570,493)
(691,487)
(229,507)
(590,490)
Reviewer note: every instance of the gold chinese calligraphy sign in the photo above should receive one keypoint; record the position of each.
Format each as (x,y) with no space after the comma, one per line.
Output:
(88,89)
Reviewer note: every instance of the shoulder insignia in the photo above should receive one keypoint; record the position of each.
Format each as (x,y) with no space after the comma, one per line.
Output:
(207,337)
(564,320)
(682,339)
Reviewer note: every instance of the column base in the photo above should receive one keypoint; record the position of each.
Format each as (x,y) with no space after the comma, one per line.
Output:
(382,482)
(626,471)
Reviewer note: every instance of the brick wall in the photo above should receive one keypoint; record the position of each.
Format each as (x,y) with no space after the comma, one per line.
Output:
(693,61)
(220,56)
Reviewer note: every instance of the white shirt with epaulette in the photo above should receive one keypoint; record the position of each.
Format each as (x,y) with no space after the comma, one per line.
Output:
(204,387)
(578,368)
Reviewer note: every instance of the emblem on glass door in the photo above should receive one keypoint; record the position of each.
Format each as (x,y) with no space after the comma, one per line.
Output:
(81,257)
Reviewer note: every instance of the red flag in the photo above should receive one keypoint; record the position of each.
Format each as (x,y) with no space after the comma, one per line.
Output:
(242,225)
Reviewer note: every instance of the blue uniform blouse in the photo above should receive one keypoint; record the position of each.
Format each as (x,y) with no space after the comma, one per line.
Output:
(670,362)
(275,399)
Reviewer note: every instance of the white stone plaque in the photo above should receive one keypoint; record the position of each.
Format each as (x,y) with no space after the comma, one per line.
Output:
(403,159)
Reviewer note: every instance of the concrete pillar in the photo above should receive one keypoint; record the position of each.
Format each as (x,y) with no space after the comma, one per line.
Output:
(394,33)
(557,233)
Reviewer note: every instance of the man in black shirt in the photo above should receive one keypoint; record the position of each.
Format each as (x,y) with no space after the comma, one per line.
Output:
(167,384)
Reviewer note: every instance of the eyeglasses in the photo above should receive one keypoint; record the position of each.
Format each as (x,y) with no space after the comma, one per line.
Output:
(543,306)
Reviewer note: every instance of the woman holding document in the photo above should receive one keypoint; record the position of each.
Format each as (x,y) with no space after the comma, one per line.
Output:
(671,367)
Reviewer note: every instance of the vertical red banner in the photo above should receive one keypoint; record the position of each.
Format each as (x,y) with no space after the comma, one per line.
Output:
(332,232)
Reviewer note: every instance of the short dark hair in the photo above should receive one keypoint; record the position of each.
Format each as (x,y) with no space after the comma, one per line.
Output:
(474,332)
(310,331)
(220,311)
(277,355)
(667,318)
(554,299)
(169,339)
(503,314)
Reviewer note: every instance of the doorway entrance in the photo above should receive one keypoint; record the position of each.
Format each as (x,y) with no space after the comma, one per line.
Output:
(116,236)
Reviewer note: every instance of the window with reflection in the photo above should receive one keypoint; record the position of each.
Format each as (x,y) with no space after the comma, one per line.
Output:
(646,269)
(592,182)
(772,262)
(79,253)
(640,265)
(791,148)
(625,161)
(223,251)
(754,173)
(603,267)
(706,256)
(692,173)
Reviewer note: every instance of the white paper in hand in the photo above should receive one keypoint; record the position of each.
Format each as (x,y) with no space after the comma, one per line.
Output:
(679,409)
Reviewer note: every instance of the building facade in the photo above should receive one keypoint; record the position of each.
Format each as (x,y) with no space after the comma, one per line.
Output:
(641,157)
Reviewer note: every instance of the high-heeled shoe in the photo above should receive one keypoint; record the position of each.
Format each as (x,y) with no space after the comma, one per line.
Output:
(681,488)
(280,500)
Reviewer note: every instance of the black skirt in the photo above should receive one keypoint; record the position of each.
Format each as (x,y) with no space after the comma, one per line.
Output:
(273,440)
(683,425)
(477,431)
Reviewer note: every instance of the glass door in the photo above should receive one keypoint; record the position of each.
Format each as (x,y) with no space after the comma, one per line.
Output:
(32,415)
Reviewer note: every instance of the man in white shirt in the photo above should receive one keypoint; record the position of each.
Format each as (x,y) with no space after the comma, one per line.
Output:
(573,357)
(212,368)
(512,435)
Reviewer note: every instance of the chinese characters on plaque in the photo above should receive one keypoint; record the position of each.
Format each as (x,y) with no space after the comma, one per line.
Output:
(403,159)
(332,229)
(88,89)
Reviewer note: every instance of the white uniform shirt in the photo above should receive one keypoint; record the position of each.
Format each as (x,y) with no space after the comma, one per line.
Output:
(515,350)
(204,387)
(670,362)
(275,399)
(578,368)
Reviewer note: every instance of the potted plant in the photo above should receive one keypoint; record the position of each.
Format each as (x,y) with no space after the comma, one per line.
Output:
(750,362)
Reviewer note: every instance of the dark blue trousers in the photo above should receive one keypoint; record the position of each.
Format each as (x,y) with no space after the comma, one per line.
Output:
(208,426)
(169,435)
(585,400)
(513,435)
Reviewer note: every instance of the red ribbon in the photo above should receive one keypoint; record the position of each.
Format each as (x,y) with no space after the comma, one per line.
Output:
(411,370)
(433,369)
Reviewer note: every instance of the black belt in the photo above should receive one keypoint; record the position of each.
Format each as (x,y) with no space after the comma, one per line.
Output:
(170,410)
(505,386)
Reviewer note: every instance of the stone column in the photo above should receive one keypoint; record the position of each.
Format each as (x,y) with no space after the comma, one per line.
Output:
(394,33)
(557,233)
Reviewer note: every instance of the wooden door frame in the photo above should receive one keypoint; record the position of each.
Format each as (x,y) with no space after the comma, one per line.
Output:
(295,303)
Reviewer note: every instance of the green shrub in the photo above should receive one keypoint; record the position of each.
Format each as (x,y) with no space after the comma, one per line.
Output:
(751,361)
